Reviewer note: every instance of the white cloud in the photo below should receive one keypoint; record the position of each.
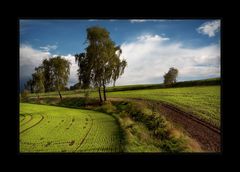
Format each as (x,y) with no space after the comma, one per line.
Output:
(149,57)
(91,20)
(149,20)
(48,48)
(30,58)
(148,37)
(137,21)
(209,28)
(73,78)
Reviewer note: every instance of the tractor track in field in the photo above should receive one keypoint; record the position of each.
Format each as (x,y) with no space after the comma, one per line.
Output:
(80,144)
(207,135)
(26,121)
(42,117)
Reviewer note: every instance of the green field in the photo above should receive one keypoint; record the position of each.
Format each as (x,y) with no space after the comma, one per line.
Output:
(57,129)
(202,101)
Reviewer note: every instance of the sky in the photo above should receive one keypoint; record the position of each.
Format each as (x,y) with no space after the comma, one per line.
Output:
(149,46)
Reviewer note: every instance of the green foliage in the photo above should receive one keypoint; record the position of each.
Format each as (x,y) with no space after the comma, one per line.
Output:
(48,75)
(205,82)
(155,123)
(38,80)
(107,107)
(24,95)
(202,101)
(100,64)
(173,145)
(51,75)
(84,70)
(56,129)
(29,86)
(170,76)
(61,71)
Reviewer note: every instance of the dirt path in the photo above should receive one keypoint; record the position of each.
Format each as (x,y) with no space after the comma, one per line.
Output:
(207,135)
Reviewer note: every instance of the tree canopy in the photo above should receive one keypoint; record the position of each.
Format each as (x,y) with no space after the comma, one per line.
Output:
(100,64)
(51,75)
(171,76)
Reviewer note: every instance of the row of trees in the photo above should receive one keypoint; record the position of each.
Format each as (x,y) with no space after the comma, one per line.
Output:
(51,75)
(100,64)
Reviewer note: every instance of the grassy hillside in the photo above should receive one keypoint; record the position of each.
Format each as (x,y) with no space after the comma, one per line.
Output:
(202,101)
(205,82)
(191,96)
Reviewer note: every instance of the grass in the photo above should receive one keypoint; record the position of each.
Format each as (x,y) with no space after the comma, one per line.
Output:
(204,82)
(202,101)
(146,131)
(57,129)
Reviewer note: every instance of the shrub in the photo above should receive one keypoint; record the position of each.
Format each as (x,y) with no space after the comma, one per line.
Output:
(24,95)
(86,96)
(173,145)
(107,107)
(162,133)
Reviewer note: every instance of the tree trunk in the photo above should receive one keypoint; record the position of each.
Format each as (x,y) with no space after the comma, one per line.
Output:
(60,94)
(114,83)
(100,96)
(104,92)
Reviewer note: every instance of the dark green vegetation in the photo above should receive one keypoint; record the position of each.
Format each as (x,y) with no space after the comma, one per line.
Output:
(51,75)
(170,77)
(100,64)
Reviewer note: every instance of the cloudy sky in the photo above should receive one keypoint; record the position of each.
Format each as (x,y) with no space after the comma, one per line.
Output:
(150,47)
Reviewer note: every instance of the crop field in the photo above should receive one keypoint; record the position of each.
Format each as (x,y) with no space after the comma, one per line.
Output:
(202,101)
(57,129)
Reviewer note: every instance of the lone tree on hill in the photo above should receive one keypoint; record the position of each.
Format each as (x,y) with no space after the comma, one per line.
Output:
(171,76)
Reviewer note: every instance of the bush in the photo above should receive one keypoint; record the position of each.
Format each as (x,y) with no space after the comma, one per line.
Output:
(173,145)
(86,96)
(162,133)
(24,95)
(72,102)
(107,107)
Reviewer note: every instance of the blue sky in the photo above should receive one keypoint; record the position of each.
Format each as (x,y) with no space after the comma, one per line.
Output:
(149,46)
